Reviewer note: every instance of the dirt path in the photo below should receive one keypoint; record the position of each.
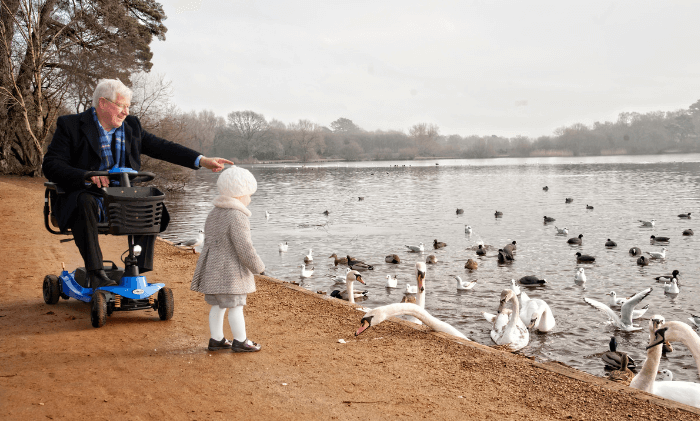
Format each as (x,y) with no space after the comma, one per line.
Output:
(54,365)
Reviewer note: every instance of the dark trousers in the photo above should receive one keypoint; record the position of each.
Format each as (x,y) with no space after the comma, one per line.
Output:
(85,235)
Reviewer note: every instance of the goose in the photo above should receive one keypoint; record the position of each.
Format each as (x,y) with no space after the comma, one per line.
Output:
(624,321)
(562,231)
(392,258)
(532,280)
(635,251)
(283,247)
(613,358)
(432,259)
(340,279)
(643,261)
(463,285)
(655,239)
(342,260)
(460,211)
(548,219)
(507,328)
(610,243)
(658,255)
(481,251)
(649,223)
(467,229)
(510,248)
(576,240)
(672,288)
(584,258)
(537,314)
(471,264)
(589,207)
(688,232)
(684,215)
(438,244)
(516,289)
(418,249)
(683,392)
(580,277)
(380,314)
(391,282)
(309,258)
(666,375)
(568,200)
(694,320)
(545,188)
(498,214)
(349,294)
(624,374)
(306,273)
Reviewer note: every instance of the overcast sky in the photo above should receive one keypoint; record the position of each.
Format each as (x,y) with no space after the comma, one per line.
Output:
(470,67)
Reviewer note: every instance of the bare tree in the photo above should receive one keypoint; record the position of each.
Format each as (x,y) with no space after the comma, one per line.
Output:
(425,136)
(250,127)
(307,139)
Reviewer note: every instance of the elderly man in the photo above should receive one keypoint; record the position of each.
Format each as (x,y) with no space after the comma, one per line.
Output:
(98,139)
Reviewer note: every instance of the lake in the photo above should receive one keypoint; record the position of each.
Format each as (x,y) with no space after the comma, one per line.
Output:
(408,202)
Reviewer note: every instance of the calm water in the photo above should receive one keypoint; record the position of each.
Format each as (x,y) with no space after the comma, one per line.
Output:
(416,202)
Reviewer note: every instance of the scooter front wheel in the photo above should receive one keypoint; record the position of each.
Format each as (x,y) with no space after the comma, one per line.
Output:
(98,315)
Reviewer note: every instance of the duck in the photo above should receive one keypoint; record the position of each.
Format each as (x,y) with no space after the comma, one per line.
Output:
(666,278)
(580,277)
(576,240)
(283,247)
(392,258)
(562,231)
(481,251)
(438,244)
(349,294)
(624,374)
(584,258)
(463,285)
(658,255)
(532,280)
(510,248)
(309,258)
(471,264)
(655,239)
(467,229)
(380,314)
(545,188)
(431,259)
(498,214)
(610,243)
(684,215)
(342,260)
(568,200)
(589,207)
(649,223)
(326,212)
(391,282)
(613,358)
(355,264)
(504,256)
(666,375)
(684,392)
(306,273)
(624,321)
(548,219)
(688,232)
(635,251)
(417,249)
(508,329)
(643,261)
(460,211)
(672,288)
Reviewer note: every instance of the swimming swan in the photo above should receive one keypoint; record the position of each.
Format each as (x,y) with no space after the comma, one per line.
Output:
(380,314)
(391,282)
(350,294)
(508,329)
(537,314)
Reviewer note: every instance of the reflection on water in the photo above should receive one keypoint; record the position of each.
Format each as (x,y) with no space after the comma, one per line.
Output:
(408,202)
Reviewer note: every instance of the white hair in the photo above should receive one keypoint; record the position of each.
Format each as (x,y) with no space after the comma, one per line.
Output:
(109,88)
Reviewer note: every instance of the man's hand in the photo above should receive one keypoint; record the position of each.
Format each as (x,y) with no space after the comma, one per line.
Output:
(214,164)
(101,181)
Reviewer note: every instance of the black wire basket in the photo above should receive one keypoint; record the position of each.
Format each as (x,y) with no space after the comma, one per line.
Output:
(133,210)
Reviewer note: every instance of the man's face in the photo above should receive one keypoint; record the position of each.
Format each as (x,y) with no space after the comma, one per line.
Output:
(112,113)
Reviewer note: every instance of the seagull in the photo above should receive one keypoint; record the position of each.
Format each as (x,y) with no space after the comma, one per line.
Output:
(614,301)
(195,242)
(467,229)
(666,375)
(391,282)
(463,285)
(658,255)
(306,273)
(309,257)
(648,223)
(672,288)
(267,215)
(283,247)
(340,279)
(624,321)
(514,287)
(411,289)
(635,313)
(418,248)
(694,320)
(580,277)
(562,231)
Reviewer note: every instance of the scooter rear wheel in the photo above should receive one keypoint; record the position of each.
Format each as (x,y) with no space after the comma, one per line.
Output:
(51,289)
(166,303)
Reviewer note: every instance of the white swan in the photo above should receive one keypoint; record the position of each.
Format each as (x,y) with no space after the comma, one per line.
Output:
(672,288)
(624,321)
(349,293)
(537,314)
(666,375)
(513,333)
(418,248)
(411,289)
(391,282)
(309,257)
(306,273)
(658,255)
(650,223)
(562,231)
(580,277)
(380,314)
(683,392)
(340,279)
(463,285)
(283,247)
(467,229)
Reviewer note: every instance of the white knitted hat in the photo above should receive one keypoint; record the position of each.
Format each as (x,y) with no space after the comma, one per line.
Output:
(236,181)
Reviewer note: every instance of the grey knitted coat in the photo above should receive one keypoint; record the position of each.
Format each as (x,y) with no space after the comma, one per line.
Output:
(228,260)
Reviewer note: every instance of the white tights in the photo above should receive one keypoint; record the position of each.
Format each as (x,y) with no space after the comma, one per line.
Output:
(235,321)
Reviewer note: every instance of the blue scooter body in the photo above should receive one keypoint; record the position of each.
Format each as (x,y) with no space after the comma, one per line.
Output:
(134,287)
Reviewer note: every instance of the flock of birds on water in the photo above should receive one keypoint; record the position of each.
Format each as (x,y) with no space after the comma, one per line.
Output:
(518,314)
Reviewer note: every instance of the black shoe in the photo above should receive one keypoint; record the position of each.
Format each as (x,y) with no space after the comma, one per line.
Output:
(215,345)
(98,278)
(244,346)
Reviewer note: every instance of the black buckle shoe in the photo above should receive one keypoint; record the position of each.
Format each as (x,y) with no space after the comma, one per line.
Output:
(245,346)
(215,345)
(98,279)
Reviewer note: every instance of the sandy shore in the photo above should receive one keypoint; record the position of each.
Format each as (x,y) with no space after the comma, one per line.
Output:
(54,365)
